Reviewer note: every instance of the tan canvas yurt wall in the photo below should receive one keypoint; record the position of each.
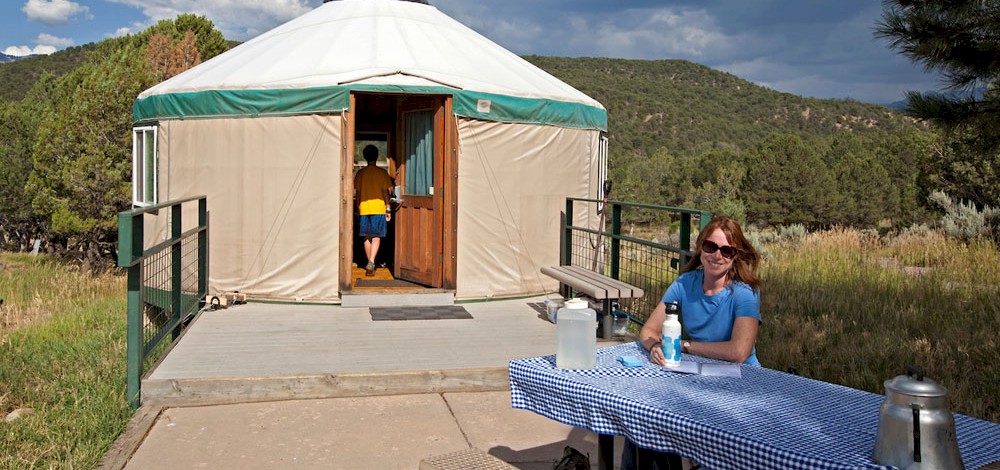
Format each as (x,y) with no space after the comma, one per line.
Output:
(273,192)
(513,183)
(272,186)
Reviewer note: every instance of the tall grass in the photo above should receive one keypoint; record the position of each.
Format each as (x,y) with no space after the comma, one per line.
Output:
(62,353)
(849,307)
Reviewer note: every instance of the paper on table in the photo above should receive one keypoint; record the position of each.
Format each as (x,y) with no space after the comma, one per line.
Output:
(715,370)
(721,370)
(686,367)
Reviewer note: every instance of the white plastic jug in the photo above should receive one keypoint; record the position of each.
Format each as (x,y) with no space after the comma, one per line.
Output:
(576,336)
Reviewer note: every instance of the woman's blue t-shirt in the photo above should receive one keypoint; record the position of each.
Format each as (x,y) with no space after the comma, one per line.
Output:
(710,318)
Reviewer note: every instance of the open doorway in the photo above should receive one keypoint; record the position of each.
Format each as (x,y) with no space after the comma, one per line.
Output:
(385,259)
(416,146)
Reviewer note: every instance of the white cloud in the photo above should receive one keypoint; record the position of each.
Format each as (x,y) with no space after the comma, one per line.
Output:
(237,20)
(53,12)
(634,33)
(50,40)
(25,50)
(44,44)
(134,28)
(123,31)
(655,33)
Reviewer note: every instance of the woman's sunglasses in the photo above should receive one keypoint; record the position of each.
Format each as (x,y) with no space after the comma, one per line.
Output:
(710,247)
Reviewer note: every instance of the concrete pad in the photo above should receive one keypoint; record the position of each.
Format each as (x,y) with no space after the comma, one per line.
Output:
(386,432)
(227,390)
(524,439)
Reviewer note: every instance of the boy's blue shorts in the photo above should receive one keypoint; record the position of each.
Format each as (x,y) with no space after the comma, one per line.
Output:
(372,226)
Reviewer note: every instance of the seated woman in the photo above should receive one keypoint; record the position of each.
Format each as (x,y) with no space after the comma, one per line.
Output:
(719,298)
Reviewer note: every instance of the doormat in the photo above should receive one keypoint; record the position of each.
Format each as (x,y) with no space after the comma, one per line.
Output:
(432,312)
(361,282)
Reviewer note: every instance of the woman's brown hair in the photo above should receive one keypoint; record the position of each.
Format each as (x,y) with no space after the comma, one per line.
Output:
(746,260)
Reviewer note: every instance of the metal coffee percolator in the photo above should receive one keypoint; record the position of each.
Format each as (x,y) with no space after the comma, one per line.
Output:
(915,428)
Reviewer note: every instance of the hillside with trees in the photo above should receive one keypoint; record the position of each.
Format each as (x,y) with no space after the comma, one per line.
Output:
(690,108)
(18,76)
(683,134)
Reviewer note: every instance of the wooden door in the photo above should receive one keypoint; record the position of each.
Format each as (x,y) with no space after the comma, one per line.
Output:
(420,127)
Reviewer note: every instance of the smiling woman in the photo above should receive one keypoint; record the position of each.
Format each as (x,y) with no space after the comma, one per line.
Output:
(718,295)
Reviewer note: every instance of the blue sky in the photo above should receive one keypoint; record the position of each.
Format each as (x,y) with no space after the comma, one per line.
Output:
(820,48)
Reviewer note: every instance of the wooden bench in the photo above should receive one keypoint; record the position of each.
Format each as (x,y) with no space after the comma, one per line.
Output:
(595,285)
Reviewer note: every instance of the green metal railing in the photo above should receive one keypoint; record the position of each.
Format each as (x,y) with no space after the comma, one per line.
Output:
(648,255)
(166,282)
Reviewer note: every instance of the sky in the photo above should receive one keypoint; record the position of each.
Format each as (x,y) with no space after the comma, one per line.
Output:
(814,48)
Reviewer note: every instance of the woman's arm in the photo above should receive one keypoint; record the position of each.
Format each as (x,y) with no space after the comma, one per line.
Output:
(737,349)
(651,333)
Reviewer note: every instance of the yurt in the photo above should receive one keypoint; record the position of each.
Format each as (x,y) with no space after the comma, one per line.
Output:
(483,147)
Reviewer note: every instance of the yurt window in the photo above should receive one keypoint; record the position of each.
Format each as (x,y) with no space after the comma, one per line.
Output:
(420,153)
(144,166)
(602,165)
(380,140)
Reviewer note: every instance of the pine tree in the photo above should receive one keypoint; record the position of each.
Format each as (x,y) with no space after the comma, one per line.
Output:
(166,59)
(17,133)
(81,159)
(961,40)
(208,40)
(787,183)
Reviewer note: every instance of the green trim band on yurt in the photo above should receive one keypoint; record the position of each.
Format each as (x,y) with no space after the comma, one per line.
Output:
(319,100)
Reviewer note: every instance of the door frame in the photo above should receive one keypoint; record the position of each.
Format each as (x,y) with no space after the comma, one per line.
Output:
(448,187)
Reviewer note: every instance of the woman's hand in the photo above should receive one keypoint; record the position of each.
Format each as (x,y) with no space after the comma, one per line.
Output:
(656,354)
(650,334)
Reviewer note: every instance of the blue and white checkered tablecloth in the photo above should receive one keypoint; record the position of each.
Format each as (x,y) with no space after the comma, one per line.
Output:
(765,419)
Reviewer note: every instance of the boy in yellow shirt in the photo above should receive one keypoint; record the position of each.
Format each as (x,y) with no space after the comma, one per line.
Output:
(373,187)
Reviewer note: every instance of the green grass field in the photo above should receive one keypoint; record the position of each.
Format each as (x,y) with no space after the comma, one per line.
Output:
(62,343)
(840,306)
(850,308)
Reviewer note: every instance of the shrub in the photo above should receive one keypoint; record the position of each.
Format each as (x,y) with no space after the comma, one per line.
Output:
(917,231)
(760,239)
(963,221)
(734,208)
(792,232)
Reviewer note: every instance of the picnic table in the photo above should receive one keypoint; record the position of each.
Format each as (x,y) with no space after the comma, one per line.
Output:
(762,419)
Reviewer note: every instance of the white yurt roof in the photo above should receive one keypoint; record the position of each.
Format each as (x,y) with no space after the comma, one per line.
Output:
(370,45)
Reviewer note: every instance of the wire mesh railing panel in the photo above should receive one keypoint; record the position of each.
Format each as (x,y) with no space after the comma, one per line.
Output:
(585,249)
(166,282)
(156,299)
(648,268)
(189,275)
(640,244)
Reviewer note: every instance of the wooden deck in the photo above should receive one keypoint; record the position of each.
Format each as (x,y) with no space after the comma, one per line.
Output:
(262,351)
